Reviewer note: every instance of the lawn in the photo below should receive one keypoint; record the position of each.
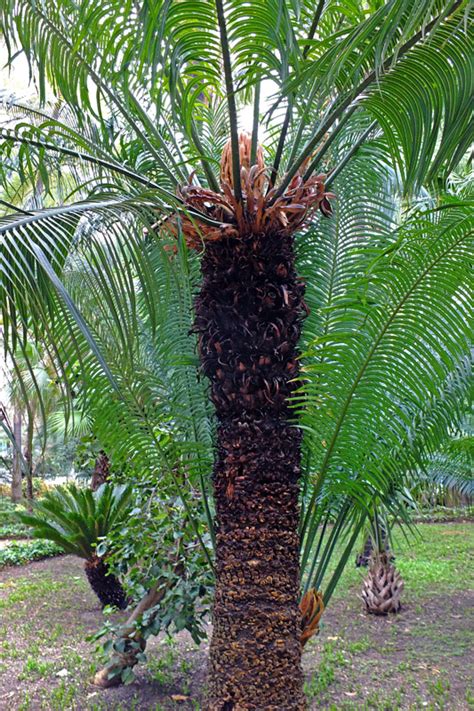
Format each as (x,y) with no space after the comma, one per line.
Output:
(419,659)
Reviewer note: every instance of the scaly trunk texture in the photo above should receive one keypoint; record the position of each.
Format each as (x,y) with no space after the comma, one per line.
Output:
(248,316)
(383,586)
(106,586)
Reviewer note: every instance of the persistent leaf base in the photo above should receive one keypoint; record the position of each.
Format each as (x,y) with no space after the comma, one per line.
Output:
(248,316)
(383,586)
(255,655)
(105,585)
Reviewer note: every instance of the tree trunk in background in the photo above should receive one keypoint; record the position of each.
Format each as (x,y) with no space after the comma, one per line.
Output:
(362,559)
(248,316)
(16,493)
(29,458)
(101,471)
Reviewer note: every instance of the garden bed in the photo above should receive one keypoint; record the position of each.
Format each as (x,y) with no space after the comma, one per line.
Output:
(19,552)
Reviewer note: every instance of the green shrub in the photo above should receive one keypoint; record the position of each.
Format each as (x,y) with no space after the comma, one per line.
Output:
(21,553)
(78,519)
(8,510)
(15,530)
(443,513)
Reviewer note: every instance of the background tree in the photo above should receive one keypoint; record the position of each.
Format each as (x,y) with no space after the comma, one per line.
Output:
(17,488)
(354,87)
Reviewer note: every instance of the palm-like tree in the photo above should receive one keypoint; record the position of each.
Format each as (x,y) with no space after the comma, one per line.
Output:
(79,520)
(376,94)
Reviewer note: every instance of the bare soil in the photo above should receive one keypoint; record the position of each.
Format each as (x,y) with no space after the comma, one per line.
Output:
(418,659)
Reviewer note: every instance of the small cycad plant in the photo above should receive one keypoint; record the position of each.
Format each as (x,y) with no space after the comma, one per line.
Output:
(383,586)
(78,520)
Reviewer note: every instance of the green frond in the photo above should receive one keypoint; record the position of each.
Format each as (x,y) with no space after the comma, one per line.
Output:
(77,519)
(366,388)
(424,107)
(136,97)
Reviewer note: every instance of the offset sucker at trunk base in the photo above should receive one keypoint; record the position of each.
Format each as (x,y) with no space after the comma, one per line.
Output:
(248,316)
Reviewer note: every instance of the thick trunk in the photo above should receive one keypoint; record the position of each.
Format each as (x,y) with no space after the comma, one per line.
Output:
(105,585)
(248,316)
(16,492)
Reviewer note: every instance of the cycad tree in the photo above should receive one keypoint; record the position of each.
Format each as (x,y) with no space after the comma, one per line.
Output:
(79,520)
(148,147)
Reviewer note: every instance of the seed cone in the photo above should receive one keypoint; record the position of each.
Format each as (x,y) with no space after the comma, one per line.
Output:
(383,586)
(245,148)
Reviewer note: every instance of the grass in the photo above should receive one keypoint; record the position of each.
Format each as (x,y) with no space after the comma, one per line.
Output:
(36,667)
(440,555)
(408,661)
(415,660)
(161,669)
(19,591)
(332,658)
(449,563)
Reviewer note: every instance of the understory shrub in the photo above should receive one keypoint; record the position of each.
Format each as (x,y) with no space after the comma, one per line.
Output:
(10,526)
(21,553)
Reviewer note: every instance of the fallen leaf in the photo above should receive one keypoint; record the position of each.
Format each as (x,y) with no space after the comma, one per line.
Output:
(179,698)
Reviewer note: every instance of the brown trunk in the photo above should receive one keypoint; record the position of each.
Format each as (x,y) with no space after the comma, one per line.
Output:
(105,585)
(16,493)
(101,471)
(248,316)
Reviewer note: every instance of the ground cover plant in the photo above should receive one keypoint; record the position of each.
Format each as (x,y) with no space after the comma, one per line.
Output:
(10,524)
(17,546)
(287,307)
(19,553)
